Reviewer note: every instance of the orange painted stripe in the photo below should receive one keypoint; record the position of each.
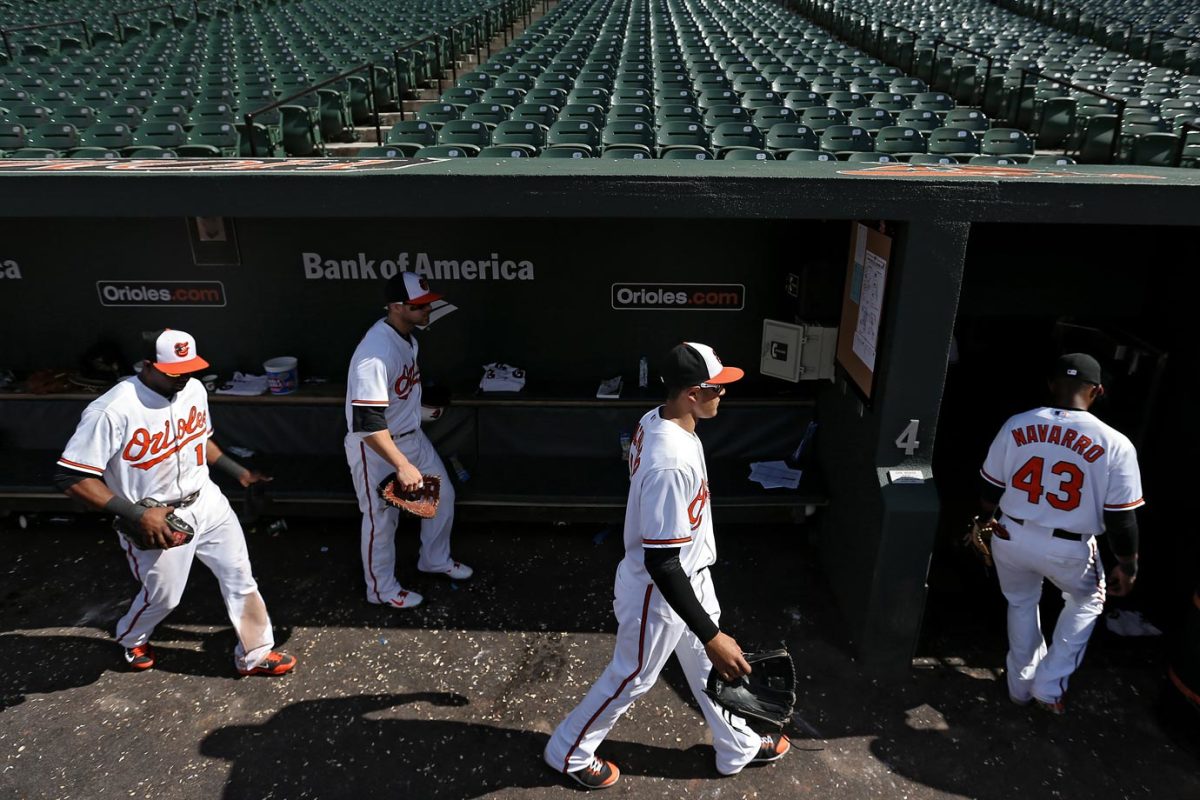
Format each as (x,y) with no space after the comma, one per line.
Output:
(368,402)
(362,448)
(167,454)
(684,540)
(1139,502)
(88,467)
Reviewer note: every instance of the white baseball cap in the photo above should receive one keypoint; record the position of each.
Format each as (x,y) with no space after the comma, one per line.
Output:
(411,288)
(175,353)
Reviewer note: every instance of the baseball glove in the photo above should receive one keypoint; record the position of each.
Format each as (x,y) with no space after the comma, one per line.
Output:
(422,502)
(767,694)
(181,532)
(979,537)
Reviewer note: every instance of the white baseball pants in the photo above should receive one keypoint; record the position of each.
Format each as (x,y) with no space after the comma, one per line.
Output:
(648,631)
(368,470)
(1022,562)
(221,546)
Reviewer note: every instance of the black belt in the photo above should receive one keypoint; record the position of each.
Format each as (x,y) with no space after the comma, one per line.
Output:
(1057,533)
(402,435)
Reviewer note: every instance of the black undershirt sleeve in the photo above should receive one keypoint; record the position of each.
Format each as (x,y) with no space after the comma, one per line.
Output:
(65,478)
(368,420)
(1122,531)
(990,491)
(663,565)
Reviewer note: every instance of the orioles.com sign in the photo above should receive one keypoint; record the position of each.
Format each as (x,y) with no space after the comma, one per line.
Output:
(678,296)
(161,293)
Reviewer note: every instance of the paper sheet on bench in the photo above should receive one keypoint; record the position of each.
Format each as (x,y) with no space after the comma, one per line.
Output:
(775,475)
(244,385)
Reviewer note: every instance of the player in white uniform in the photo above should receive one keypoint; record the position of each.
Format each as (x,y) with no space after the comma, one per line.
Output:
(665,601)
(151,437)
(1059,477)
(383,420)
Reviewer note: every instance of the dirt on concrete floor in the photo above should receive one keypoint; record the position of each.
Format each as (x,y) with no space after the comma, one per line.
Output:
(456,699)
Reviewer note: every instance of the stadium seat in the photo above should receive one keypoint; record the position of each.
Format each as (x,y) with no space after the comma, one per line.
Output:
(109,135)
(628,135)
(519,135)
(809,155)
(846,139)
(746,154)
(501,151)
(952,142)
(1050,161)
(409,135)
(470,135)
(301,135)
(577,134)
(1006,142)
(568,151)
(873,158)
(437,114)
(149,152)
(626,153)
(381,151)
(926,158)
(993,161)
(446,151)
(679,154)
(785,137)
(899,140)
(735,136)
(54,135)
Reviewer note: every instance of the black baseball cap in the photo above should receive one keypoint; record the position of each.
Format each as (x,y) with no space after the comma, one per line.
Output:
(409,287)
(692,363)
(1079,366)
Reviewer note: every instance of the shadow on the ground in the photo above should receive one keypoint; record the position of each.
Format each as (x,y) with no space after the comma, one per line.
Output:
(358,747)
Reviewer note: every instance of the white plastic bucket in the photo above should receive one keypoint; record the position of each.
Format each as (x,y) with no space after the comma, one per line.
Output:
(281,375)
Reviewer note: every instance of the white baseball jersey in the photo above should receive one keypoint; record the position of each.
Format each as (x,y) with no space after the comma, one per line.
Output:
(142,444)
(384,374)
(668,498)
(1063,469)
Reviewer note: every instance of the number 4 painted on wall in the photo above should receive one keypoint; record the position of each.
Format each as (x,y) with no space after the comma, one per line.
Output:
(907,440)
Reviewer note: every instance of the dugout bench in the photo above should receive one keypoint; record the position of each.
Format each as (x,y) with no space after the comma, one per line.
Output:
(528,457)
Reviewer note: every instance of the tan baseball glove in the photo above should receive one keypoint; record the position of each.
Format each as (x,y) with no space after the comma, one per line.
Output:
(422,502)
(979,537)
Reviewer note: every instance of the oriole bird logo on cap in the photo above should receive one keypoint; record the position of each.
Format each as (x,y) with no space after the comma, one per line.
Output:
(181,349)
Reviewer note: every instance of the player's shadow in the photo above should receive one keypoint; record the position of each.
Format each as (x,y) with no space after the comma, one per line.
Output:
(34,664)
(357,747)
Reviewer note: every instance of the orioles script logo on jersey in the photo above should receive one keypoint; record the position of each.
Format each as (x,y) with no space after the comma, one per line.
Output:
(181,349)
(696,507)
(146,449)
(408,378)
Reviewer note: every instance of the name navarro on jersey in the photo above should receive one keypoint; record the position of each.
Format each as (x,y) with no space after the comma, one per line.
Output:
(318,268)
(1069,438)
(161,446)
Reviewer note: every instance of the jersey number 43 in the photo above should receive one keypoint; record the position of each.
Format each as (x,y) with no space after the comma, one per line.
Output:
(1030,478)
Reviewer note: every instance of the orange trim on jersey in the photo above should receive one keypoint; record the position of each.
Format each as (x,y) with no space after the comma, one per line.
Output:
(1141,501)
(684,540)
(1183,687)
(168,453)
(368,402)
(990,479)
(84,467)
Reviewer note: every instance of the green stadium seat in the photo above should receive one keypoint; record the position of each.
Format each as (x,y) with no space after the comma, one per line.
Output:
(784,137)
(12,136)
(630,135)
(490,114)
(437,114)
(574,133)
(1155,149)
(471,135)
(300,132)
(447,151)
(846,139)
(746,154)
(550,96)
(220,138)
(502,151)
(736,135)
(1051,161)
(809,155)
(873,158)
(382,151)
(1006,142)
(542,113)
(953,142)
(519,135)
(988,160)
(54,135)
(92,152)
(925,158)
(899,140)
(569,151)
(109,135)
(34,152)
(626,153)
(411,135)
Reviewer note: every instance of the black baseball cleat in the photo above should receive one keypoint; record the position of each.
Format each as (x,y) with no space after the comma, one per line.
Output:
(598,774)
(140,657)
(773,748)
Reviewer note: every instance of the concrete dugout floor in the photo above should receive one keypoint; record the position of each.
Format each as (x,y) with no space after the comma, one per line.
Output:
(456,699)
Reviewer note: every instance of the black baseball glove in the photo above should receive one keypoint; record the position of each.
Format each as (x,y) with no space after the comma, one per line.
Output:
(767,694)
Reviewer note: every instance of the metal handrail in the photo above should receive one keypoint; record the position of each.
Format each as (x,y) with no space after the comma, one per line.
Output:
(1120,103)
(369,66)
(436,37)
(4,32)
(118,14)
(987,77)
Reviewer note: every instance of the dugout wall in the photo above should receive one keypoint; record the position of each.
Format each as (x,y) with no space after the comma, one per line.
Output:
(727,223)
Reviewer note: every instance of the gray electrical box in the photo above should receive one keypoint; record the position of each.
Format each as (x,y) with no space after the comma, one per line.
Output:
(797,352)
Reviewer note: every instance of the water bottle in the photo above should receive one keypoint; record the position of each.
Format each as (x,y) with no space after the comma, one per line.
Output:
(459,470)
(626,442)
(643,373)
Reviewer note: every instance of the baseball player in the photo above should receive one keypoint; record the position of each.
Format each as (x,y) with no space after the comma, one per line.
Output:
(150,436)
(665,601)
(383,417)
(1059,478)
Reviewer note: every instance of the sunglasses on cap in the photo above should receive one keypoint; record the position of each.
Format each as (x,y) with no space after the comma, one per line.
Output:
(719,388)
